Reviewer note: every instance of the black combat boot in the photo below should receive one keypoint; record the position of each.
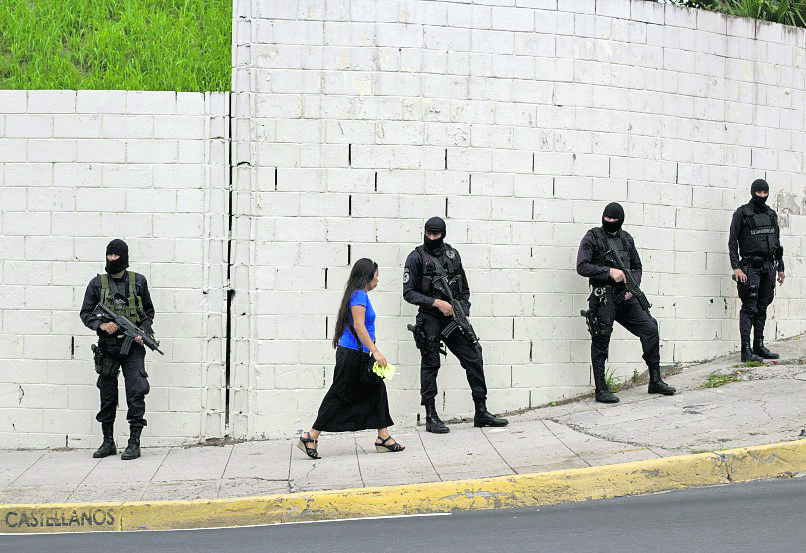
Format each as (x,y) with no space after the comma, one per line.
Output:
(761,351)
(606,396)
(484,417)
(133,449)
(603,393)
(658,386)
(747,353)
(432,422)
(108,447)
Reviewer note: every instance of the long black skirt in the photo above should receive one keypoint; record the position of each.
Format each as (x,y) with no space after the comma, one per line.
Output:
(352,403)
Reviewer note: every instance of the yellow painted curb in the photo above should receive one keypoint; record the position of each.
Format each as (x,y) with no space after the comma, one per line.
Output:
(525,490)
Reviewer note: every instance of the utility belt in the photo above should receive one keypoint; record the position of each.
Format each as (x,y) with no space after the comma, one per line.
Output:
(756,261)
(606,290)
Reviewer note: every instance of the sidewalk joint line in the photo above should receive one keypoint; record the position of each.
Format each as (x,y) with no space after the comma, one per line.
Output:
(498,452)
(95,466)
(427,456)
(223,472)
(148,482)
(562,442)
(151,480)
(20,475)
(290,460)
(358,462)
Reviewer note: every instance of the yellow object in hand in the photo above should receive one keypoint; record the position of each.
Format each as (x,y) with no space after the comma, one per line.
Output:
(386,372)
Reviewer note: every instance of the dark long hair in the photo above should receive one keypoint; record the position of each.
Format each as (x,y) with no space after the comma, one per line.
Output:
(362,273)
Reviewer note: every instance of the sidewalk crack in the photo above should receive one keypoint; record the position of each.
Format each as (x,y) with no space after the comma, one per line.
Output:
(358,462)
(427,456)
(724,458)
(586,432)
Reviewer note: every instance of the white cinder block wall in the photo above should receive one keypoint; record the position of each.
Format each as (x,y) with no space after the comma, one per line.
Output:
(517,121)
(352,123)
(76,170)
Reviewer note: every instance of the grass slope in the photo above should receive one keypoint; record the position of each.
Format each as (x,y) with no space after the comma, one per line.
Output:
(182,45)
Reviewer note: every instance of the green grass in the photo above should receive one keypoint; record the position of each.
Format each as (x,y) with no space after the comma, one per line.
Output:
(613,382)
(748,364)
(182,45)
(786,12)
(717,380)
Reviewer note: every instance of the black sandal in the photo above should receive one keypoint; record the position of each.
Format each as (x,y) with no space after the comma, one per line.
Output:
(383,448)
(302,445)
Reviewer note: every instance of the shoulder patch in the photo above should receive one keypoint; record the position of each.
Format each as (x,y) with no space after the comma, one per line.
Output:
(450,254)
(406,276)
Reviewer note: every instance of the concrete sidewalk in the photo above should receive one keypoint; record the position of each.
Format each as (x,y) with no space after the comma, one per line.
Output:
(766,406)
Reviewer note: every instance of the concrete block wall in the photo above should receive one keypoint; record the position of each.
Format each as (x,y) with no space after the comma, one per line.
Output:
(517,121)
(349,124)
(78,168)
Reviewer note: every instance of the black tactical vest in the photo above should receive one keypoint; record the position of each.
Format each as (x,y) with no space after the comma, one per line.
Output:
(450,262)
(605,242)
(757,235)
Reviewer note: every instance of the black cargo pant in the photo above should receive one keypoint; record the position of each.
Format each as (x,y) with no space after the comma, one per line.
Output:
(469,357)
(135,377)
(611,307)
(756,295)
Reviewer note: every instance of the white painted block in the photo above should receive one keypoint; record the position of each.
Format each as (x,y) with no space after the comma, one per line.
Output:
(51,101)
(513,19)
(26,224)
(101,151)
(151,151)
(150,102)
(191,128)
(511,161)
(26,175)
(128,126)
(46,150)
(100,101)
(29,126)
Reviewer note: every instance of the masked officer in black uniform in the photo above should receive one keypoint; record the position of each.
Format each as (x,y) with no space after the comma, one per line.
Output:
(422,265)
(754,234)
(125,293)
(609,301)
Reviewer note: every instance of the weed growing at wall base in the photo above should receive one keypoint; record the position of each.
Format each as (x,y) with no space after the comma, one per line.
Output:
(717,380)
(182,45)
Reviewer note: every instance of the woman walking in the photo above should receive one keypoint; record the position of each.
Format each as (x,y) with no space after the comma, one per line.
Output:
(357,398)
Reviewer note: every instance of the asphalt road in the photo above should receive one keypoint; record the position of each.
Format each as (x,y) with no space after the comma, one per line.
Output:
(760,516)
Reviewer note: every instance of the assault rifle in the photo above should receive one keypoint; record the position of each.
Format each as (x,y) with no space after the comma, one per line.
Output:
(129,329)
(630,283)
(460,321)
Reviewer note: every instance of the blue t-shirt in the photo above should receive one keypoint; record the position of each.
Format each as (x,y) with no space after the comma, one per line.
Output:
(347,339)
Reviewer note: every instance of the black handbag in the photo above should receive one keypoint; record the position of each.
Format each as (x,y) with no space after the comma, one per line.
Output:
(368,376)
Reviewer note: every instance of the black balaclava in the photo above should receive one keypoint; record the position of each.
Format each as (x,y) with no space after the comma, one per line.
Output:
(614,211)
(119,247)
(759,185)
(434,225)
